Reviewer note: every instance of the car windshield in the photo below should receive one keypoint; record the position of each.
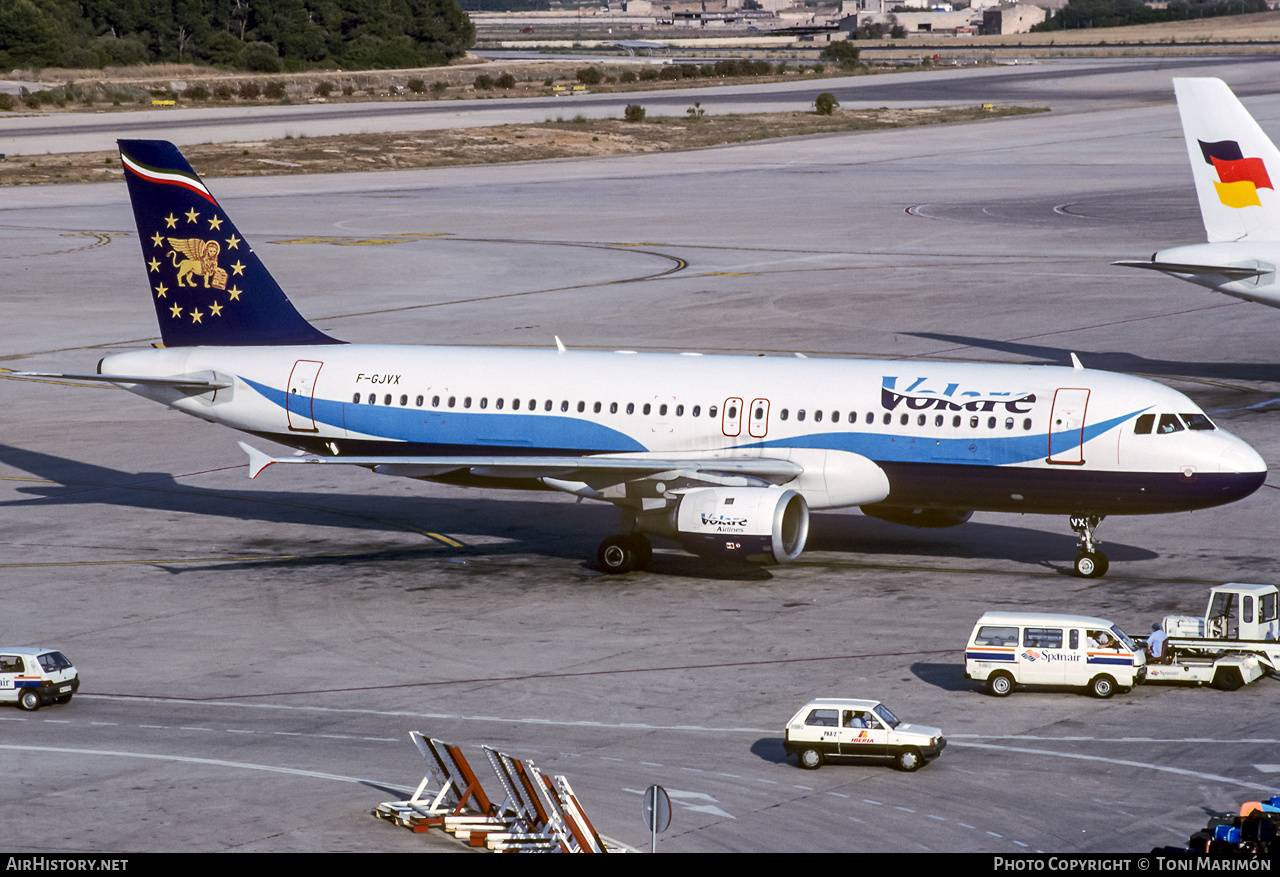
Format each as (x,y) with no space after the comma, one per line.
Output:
(53,661)
(1120,635)
(885,716)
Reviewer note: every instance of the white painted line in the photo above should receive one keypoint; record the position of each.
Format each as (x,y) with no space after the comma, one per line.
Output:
(837,795)
(805,788)
(1195,774)
(183,728)
(1267,768)
(212,762)
(869,801)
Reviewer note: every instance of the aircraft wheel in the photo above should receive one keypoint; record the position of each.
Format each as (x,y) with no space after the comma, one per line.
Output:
(617,554)
(1091,564)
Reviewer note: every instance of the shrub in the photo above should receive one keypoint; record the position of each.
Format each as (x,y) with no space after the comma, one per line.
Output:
(438,87)
(506,80)
(196,92)
(628,76)
(589,76)
(633,113)
(348,90)
(7,102)
(274,90)
(825,104)
(649,74)
(417,86)
(324,89)
(222,91)
(484,82)
(843,53)
(250,91)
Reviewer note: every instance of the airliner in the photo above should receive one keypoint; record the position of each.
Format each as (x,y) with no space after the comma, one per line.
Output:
(1233,163)
(726,455)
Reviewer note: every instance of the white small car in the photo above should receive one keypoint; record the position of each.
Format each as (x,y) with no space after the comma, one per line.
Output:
(32,677)
(834,727)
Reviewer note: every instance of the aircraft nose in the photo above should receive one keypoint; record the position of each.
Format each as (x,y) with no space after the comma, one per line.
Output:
(1238,457)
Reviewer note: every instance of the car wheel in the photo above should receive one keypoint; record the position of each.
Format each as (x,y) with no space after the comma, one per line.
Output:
(810,759)
(1103,686)
(29,699)
(1000,684)
(909,760)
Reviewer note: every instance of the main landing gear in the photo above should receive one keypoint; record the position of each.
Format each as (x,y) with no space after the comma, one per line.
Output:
(1090,562)
(624,553)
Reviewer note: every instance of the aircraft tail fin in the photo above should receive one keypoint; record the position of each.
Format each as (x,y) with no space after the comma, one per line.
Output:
(208,286)
(1235,165)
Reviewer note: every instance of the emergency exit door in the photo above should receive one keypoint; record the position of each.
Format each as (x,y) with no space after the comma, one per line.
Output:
(301,397)
(1066,426)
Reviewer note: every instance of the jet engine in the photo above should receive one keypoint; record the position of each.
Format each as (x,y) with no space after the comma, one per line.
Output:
(756,524)
(930,518)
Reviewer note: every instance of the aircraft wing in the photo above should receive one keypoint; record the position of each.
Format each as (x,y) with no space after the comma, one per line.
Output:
(1233,272)
(178,382)
(596,470)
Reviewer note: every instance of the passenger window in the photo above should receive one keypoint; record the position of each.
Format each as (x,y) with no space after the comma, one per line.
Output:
(697,410)
(515,404)
(711,412)
(822,718)
(11,664)
(418,402)
(613,407)
(955,421)
(596,408)
(582,406)
(1074,639)
(853,417)
(888,418)
(1042,637)
(1142,426)
(1197,421)
(973,422)
(452,401)
(466,403)
(800,414)
(498,404)
(484,401)
(546,406)
(386,400)
(631,408)
(373,400)
(1026,423)
(783,414)
(679,411)
(920,420)
(662,411)
(817,416)
(835,416)
(991,423)
(1169,423)
(404,400)
(937,421)
(564,406)
(435,401)
(996,636)
(1008,423)
(356,399)
(903,420)
(646,409)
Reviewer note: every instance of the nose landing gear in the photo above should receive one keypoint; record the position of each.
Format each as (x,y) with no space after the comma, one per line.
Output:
(1090,562)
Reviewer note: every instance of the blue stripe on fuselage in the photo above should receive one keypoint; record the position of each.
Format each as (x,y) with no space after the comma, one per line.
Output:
(552,431)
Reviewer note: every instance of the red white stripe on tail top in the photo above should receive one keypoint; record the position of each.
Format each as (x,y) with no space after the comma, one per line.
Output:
(167,177)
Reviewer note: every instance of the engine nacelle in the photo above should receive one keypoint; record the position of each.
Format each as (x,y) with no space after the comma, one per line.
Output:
(756,524)
(931,518)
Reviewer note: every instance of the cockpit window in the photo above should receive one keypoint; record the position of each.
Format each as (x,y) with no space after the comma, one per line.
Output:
(1142,426)
(1169,423)
(1197,421)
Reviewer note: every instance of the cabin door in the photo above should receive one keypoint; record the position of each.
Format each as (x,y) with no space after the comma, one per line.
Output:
(301,397)
(1066,426)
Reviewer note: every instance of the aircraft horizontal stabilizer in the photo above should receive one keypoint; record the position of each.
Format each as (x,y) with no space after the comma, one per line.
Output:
(562,468)
(177,382)
(1235,272)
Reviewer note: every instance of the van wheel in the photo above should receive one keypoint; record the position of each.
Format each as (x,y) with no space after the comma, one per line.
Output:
(1228,679)
(1103,686)
(909,760)
(1000,684)
(29,699)
(810,759)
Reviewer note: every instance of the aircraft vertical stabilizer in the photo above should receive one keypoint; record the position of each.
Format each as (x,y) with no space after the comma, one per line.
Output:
(1233,161)
(208,286)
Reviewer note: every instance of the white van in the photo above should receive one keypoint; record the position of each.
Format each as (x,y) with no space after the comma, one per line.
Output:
(33,677)
(1040,648)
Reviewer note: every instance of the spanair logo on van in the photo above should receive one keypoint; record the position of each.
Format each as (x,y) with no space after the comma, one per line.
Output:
(922,394)
(1031,655)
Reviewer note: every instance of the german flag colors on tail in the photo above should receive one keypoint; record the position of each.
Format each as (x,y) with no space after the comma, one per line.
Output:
(1232,160)
(208,286)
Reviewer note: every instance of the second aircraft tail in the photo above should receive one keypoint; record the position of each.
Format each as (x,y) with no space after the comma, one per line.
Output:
(1233,163)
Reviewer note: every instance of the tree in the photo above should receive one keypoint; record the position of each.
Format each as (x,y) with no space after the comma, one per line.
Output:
(825,104)
(844,53)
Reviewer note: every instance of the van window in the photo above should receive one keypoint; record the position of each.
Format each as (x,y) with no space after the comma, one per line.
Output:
(1267,607)
(1042,637)
(10,664)
(996,636)
(1074,639)
(822,718)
